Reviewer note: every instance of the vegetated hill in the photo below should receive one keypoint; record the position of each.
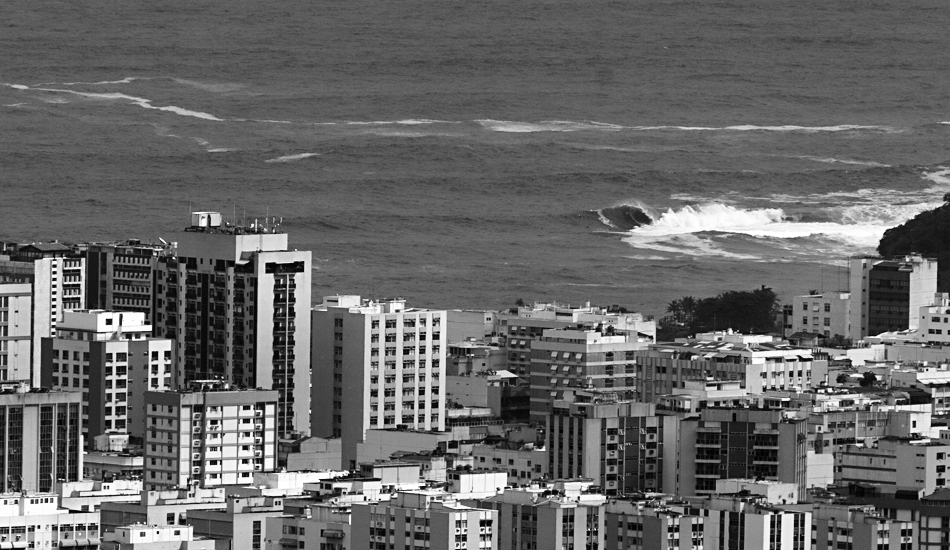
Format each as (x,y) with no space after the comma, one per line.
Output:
(927,234)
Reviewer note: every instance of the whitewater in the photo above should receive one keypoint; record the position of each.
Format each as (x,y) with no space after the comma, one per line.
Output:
(470,154)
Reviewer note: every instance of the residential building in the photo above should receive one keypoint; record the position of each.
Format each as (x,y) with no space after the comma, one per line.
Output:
(827,314)
(209,435)
(741,443)
(376,365)
(242,522)
(523,462)
(111,466)
(560,514)
(526,324)
(112,360)
(652,525)
(86,496)
(896,465)
(35,520)
(934,322)
(887,294)
(318,525)
(121,275)
(16,344)
(618,444)
(752,523)
(169,507)
(159,537)
(423,518)
(859,526)
(56,275)
(758,363)
(40,438)
(475,356)
(575,359)
(235,302)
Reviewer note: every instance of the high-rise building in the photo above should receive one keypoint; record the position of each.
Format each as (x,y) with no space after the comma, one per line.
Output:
(376,365)
(886,295)
(120,276)
(577,359)
(111,358)
(56,274)
(16,330)
(738,443)
(618,444)
(40,438)
(236,301)
(209,436)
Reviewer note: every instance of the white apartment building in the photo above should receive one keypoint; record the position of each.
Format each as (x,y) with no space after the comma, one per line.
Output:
(35,520)
(376,365)
(827,314)
(111,358)
(209,437)
(16,345)
(934,323)
(887,294)
(56,274)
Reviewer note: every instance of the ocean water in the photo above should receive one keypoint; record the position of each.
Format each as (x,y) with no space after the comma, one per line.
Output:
(466,154)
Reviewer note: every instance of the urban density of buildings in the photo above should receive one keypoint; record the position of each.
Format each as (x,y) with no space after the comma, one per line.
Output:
(191,394)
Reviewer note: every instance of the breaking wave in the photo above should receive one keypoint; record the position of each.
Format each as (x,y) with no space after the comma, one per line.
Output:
(291,158)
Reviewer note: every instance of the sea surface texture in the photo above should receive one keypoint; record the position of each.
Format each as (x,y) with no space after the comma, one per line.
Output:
(469,153)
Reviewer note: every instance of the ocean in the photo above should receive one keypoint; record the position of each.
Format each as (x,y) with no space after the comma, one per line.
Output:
(468,154)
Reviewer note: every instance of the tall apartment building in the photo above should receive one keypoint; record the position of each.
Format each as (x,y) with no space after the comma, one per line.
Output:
(578,359)
(112,360)
(650,525)
(423,519)
(738,443)
(121,276)
(618,444)
(526,324)
(16,331)
(757,364)
(897,465)
(561,514)
(56,274)
(737,522)
(236,302)
(886,295)
(376,365)
(209,436)
(40,438)
(827,314)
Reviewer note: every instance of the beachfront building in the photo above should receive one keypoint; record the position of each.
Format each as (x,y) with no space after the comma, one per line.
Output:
(827,314)
(209,435)
(112,360)
(235,300)
(376,365)
(121,275)
(887,294)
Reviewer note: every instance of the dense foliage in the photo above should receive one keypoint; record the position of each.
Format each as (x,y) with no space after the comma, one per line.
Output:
(745,311)
(927,234)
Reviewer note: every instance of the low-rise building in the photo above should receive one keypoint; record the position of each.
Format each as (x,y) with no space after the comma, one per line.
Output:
(35,520)
(159,537)
(169,507)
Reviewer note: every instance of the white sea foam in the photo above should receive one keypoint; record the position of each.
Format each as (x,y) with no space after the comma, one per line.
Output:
(125,80)
(221,150)
(208,87)
(140,101)
(845,161)
(291,158)
(545,126)
(782,128)
(15,104)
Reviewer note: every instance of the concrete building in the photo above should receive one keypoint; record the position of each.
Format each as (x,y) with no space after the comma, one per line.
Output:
(758,365)
(112,360)
(738,443)
(560,514)
(888,294)
(376,365)
(859,526)
(121,275)
(161,507)
(527,323)
(319,525)
(933,325)
(159,537)
(243,521)
(896,465)
(423,518)
(618,444)
(209,436)
(316,453)
(827,314)
(571,360)
(35,520)
(99,466)
(468,357)
(88,496)
(508,396)
(652,525)
(56,275)
(235,301)
(16,344)
(40,438)
(524,463)
(752,523)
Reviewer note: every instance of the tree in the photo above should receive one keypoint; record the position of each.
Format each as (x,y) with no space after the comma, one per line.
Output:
(868,380)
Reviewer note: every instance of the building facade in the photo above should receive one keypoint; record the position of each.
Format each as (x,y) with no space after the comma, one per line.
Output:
(121,276)
(210,436)
(236,302)
(16,331)
(376,365)
(888,294)
(827,314)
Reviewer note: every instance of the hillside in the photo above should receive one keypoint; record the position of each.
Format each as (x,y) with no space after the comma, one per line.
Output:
(927,234)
